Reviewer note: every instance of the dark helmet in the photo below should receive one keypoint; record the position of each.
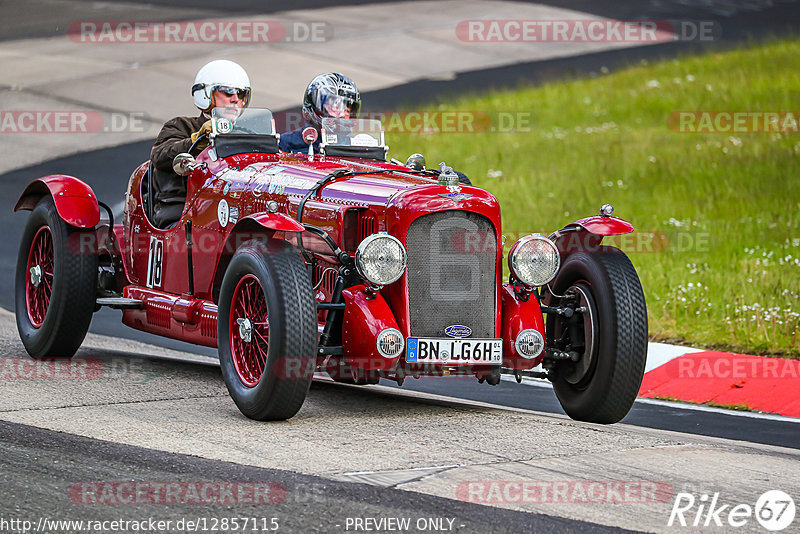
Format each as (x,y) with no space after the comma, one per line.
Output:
(328,95)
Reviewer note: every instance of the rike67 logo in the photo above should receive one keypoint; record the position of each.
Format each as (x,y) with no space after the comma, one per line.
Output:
(774,510)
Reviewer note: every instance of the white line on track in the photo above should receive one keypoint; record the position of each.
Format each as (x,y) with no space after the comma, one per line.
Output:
(411,469)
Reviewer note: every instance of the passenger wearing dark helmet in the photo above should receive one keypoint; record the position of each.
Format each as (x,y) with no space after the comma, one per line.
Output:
(328,95)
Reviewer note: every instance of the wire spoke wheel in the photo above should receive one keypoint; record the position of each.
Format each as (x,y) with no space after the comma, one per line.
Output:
(249,328)
(39,283)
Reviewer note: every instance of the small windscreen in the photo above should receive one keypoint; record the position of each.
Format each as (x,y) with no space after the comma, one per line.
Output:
(242,121)
(353,138)
(352,132)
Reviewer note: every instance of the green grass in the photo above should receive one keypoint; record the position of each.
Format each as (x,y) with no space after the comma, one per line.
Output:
(738,407)
(729,205)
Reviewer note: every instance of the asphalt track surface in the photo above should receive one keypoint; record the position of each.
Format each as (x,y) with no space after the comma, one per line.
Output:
(39,464)
(737,19)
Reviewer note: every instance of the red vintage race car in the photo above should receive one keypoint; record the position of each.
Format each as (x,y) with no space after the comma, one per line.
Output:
(339,262)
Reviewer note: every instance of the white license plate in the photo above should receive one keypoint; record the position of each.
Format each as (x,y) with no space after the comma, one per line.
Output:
(454,351)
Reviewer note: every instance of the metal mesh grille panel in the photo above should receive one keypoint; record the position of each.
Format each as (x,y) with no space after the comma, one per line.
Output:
(451,274)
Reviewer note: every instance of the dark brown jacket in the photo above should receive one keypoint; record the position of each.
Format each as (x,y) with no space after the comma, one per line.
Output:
(174,138)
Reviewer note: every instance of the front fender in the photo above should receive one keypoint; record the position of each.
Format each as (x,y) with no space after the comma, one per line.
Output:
(276,221)
(75,201)
(602,226)
(259,227)
(365,318)
(519,315)
(586,235)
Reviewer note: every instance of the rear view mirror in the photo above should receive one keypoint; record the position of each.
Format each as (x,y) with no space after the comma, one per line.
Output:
(183,164)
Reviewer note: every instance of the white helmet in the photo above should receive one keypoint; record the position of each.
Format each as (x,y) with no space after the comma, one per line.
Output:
(223,75)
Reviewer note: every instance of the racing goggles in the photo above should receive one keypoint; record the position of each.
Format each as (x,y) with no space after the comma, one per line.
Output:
(243,94)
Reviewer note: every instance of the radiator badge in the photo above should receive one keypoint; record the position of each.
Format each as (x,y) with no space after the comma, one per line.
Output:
(458,331)
(455,194)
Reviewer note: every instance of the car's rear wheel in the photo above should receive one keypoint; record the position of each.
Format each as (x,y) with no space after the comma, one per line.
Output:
(56,284)
(267,331)
(607,335)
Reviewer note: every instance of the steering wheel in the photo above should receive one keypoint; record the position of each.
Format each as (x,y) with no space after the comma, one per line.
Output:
(199,138)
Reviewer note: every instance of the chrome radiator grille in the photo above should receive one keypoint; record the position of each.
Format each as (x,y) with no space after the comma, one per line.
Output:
(451,273)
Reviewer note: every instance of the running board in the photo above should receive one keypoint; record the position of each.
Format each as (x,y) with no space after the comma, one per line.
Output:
(121,303)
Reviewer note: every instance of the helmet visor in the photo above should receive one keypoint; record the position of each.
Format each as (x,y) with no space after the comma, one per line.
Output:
(340,107)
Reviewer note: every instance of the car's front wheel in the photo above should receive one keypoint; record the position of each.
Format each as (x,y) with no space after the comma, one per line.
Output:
(267,331)
(56,284)
(607,336)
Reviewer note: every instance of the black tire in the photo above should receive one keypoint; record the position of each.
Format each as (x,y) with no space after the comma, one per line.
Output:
(269,376)
(602,386)
(54,309)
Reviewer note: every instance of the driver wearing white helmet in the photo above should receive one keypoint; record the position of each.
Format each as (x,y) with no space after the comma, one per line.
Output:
(219,83)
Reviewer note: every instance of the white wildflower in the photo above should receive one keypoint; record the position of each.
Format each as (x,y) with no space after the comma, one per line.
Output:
(735,141)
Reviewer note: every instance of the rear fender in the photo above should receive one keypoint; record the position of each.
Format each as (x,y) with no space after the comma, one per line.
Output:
(586,235)
(75,201)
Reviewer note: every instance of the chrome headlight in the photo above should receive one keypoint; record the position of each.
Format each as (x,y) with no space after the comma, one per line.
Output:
(534,260)
(381,259)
